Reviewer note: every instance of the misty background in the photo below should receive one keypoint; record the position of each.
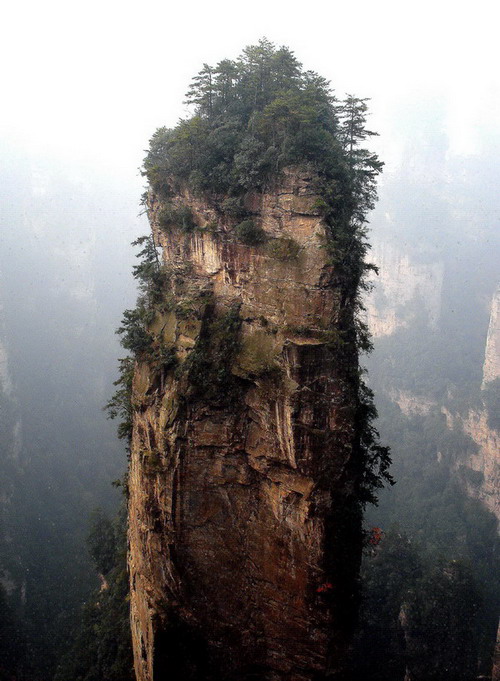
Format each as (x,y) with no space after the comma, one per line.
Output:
(84,87)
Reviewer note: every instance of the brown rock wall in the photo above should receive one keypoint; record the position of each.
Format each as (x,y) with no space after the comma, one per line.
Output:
(238,564)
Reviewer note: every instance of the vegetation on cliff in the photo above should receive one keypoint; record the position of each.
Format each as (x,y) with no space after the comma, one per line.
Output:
(254,117)
(257,115)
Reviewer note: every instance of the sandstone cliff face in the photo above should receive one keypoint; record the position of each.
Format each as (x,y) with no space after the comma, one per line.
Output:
(243,544)
(485,461)
(491,367)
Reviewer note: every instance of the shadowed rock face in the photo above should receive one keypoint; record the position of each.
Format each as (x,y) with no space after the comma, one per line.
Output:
(244,539)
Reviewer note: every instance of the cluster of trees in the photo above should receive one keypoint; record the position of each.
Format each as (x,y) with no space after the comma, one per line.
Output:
(432,591)
(256,115)
(102,648)
(420,617)
(253,117)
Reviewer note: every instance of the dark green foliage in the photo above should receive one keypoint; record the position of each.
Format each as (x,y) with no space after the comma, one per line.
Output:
(208,367)
(233,208)
(102,648)
(440,629)
(133,331)
(249,233)
(176,216)
(153,282)
(163,357)
(283,248)
(254,116)
(363,165)
(201,91)
(101,541)
(376,460)
(153,278)
(417,613)
(120,405)
(158,176)
(192,307)
(389,573)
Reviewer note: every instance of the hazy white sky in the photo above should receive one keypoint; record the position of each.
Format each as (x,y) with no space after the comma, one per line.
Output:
(94,79)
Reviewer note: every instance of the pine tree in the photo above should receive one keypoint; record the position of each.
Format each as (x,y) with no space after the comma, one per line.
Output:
(226,75)
(201,91)
(364,166)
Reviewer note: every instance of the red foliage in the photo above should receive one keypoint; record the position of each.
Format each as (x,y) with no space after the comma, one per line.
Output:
(375,536)
(324,587)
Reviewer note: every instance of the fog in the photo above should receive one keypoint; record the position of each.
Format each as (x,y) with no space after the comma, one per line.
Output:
(93,80)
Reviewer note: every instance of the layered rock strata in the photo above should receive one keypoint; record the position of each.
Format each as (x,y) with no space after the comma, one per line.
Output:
(243,530)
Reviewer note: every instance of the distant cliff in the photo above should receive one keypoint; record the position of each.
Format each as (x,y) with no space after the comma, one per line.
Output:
(404,290)
(435,373)
(491,367)
(481,422)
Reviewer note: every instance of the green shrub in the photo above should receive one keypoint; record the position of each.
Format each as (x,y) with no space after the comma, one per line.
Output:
(321,206)
(208,366)
(233,208)
(212,226)
(133,330)
(176,216)
(164,356)
(300,331)
(257,355)
(249,233)
(283,248)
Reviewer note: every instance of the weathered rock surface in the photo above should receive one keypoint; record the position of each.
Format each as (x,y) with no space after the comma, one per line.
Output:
(491,367)
(411,404)
(483,460)
(486,461)
(244,548)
